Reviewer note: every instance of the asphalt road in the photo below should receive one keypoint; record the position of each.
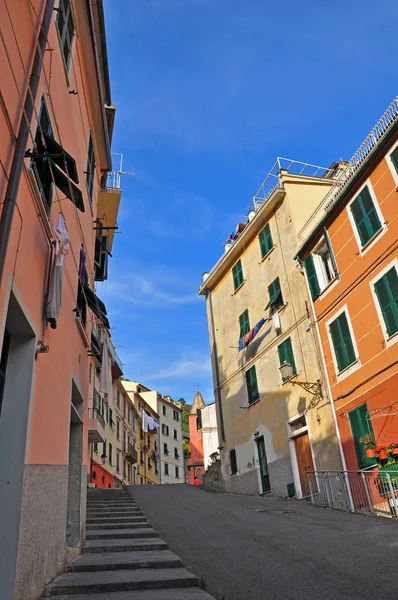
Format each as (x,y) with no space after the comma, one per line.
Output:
(253,548)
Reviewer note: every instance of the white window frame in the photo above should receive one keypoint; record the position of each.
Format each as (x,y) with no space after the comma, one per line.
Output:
(319,269)
(389,340)
(376,237)
(355,365)
(391,164)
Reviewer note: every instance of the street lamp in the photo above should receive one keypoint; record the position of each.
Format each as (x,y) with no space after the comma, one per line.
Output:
(313,388)
(103,458)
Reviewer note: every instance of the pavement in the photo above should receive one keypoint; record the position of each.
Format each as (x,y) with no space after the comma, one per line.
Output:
(258,548)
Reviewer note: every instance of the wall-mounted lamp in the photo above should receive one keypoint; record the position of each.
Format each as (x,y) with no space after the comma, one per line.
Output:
(256,434)
(103,458)
(315,389)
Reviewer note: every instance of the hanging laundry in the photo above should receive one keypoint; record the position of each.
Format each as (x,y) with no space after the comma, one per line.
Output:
(54,298)
(106,373)
(246,339)
(144,421)
(276,322)
(152,424)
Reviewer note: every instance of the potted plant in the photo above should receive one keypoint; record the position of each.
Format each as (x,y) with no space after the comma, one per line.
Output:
(370,445)
(393,447)
(381,452)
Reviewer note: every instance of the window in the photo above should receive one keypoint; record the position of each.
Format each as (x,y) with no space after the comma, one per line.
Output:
(244,324)
(142,457)
(265,239)
(164,410)
(118,429)
(365,216)
(90,377)
(321,267)
(3,363)
(394,158)
(90,169)
(360,427)
(165,429)
(117,398)
(141,481)
(41,165)
(66,28)
(165,449)
(110,453)
(101,253)
(141,435)
(275,295)
(166,468)
(124,409)
(176,455)
(177,472)
(117,462)
(342,342)
(387,294)
(237,274)
(149,440)
(124,468)
(285,352)
(175,434)
(96,447)
(251,384)
(111,422)
(149,463)
(175,415)
(232,459)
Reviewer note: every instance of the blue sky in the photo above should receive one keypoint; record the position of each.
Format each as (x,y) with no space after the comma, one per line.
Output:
(208,94)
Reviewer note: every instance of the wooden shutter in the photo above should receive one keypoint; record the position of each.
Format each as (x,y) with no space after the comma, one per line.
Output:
(237,274)
(394,158)
(330,250)
(361,426)
(275,294)
(312,277)
(265,239)
(387,293)
(244,323)
(251,382)
(365,216)
(342,342)
(285,352)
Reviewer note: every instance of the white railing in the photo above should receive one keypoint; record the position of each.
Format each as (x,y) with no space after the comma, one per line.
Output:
(366,492)
(373,139)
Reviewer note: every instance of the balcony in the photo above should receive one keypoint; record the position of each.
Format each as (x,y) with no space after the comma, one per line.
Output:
(108,205)
(130,453)
(117,367)
(96,427)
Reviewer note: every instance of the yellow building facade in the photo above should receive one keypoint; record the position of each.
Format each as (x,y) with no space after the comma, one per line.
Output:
(271,429)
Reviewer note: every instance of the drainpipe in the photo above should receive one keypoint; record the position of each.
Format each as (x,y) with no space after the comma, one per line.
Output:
(14,179)
(215,362)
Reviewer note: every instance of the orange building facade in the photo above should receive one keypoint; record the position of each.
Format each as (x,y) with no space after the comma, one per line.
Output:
(56,124)
(350,259)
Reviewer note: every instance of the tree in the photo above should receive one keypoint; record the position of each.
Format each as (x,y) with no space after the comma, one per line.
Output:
(186,409)
(182,401)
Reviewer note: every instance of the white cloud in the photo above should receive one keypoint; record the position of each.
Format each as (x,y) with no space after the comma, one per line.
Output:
(185,366)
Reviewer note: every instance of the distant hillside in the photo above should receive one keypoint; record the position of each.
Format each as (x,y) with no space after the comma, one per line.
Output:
(185,412)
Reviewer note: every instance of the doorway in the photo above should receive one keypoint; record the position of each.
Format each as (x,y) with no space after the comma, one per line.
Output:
(75,502)
(304,461)
(262,459)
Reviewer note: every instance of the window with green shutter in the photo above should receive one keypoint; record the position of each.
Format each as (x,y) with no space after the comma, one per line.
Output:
(237,274)
(265,239)
(275,295)
(251,383)
(365,216)
(387,294)
(342,342)
(360,427)
(312,277)
(286,356)
(394,158)
(232,460)
(244,324)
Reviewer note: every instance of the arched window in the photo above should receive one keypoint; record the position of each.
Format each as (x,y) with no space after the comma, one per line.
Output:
(94,475)
(103,479)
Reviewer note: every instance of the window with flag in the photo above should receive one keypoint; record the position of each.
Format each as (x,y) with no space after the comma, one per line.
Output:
(394,158)
(66,28)
(386,289)
(361,427)
(244,324)
(365,216)
(265,240)
(251,384)
(90,169)
(237,274)
(342,342)
(275,295)
(286,356)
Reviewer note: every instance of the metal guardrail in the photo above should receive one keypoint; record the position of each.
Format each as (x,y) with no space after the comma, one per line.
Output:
(366,492)
(94,413)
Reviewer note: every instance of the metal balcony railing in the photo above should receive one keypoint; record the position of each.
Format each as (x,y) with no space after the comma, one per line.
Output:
(94,413)
(130,453)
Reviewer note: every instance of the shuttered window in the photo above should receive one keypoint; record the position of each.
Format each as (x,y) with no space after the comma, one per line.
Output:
(265,239)
(365,216)
(360,427)
(342,342)
(387,294)
(251,383)
(312,277)
(90,169)
(237,274)
(275,295)
(244,325)
(286,356)
(394,158)
(232,460)
(66,28)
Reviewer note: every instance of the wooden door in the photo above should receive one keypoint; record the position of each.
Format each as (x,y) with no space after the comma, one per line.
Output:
(304,461)
(262,459)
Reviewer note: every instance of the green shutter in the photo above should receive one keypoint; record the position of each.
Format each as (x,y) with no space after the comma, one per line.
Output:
(312,277)
(330,250)
(342,342)
(237,274)
(387,293)
(251,383)
(365,216)
(265,239)
(285,352)
(361,426)
(394,158)
(275,294)
(244,324)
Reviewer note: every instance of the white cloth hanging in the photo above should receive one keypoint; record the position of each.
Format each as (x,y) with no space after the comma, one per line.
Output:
(54,299)
(106,373)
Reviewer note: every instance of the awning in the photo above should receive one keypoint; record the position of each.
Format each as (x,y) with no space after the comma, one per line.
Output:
(52,147)
(96,305)
(66,185)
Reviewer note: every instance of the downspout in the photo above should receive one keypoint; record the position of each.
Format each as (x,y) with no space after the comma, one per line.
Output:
(17,164)
(215,363)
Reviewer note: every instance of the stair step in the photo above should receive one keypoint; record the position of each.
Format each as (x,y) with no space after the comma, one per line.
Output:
(119,534)
(124,545)
(112,519)
(108,561)
(113,513)
(111,505)
(193,593)
(124,525)
(123,580)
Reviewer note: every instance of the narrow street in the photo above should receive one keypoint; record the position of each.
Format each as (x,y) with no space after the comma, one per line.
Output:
(264,549)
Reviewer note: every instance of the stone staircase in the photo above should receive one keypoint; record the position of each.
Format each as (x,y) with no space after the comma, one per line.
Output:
(123,558)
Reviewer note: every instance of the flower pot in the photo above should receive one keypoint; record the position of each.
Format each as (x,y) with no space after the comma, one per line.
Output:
(383,454)
(370,452)
(394,451)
